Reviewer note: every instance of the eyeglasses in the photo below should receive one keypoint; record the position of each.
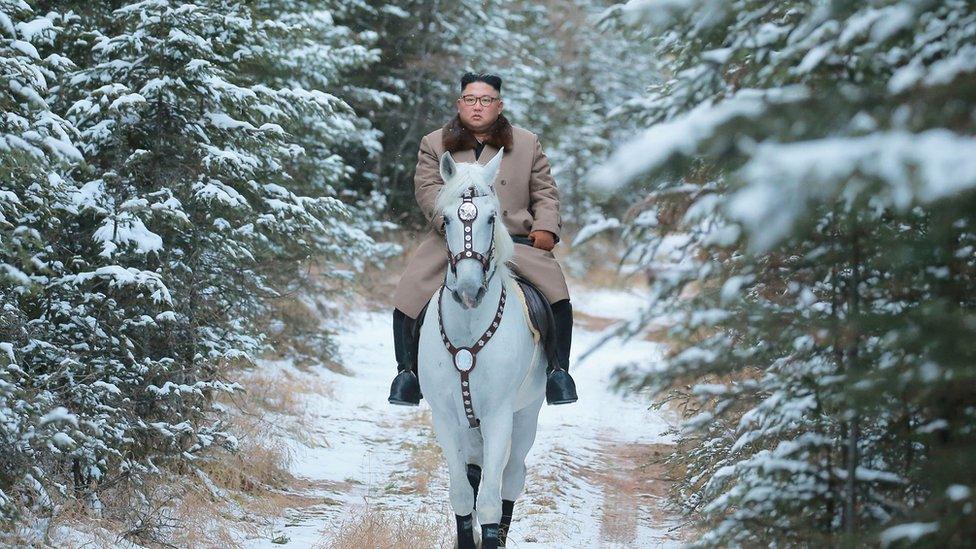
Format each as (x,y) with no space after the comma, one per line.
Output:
(485,100)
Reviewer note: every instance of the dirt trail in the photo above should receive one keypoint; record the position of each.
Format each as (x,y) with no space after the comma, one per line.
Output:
(595,473)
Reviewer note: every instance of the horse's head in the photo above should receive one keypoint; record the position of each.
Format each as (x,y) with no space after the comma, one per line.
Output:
(478,244)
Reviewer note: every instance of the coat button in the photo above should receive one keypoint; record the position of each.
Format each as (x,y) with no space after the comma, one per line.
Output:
(503,181)
(504,212)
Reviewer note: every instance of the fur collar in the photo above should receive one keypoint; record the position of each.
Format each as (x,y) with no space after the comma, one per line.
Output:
(456,137)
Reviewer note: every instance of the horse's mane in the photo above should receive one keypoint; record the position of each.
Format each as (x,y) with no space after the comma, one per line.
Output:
(472,175)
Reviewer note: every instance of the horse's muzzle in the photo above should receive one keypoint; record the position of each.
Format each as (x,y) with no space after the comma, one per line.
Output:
(466,300)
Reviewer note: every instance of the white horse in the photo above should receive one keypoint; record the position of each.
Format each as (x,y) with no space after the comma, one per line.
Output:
(481,369)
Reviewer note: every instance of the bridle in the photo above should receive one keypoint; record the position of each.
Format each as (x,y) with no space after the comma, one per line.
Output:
(467,212)
(465,358)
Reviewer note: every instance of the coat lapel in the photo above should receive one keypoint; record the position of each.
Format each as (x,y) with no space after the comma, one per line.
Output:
(487,154)
(464,156)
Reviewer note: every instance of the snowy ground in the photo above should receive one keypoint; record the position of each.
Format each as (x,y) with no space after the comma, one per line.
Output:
(589,483)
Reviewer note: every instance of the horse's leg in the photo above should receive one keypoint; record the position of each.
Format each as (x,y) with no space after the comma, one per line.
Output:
(451,439)
(475,452)
(474,477)
(496,429)
(524,428)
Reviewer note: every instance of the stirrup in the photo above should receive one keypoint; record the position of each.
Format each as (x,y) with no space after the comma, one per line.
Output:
(560,388)
(405,389)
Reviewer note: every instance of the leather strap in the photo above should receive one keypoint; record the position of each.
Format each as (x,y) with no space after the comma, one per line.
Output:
(466,358)
(467,213)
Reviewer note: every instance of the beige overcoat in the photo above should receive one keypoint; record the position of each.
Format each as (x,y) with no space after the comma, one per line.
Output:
(529,201)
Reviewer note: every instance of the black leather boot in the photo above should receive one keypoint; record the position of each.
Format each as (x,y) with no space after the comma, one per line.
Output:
(405,390)
(560,387)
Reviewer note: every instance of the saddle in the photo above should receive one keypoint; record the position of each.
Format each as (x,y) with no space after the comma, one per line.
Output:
(540,317)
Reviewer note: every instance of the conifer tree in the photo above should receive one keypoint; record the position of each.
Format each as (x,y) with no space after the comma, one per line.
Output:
(808,199)
(156,194)
(36,145)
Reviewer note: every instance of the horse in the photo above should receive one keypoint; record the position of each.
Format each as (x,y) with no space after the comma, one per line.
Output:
(482,369)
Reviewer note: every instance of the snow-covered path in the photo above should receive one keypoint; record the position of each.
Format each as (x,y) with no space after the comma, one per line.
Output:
(379,464)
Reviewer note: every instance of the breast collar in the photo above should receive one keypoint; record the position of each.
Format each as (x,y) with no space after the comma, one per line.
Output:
(465,358)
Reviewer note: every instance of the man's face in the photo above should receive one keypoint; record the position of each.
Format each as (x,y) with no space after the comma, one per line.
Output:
(478,117)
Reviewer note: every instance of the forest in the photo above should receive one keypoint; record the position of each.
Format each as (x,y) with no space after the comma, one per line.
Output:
(791,184)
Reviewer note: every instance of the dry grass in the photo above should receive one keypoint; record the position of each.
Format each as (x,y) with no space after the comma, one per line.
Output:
(186,510)
(281,393)
(210,502)
(161,511)
(245,490)
(275,403)
(293,325)
(204,521)
(393,529)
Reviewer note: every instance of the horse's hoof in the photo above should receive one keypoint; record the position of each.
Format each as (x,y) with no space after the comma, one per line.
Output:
(560,388)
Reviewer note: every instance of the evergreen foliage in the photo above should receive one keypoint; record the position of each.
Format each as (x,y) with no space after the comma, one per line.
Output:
(164,175)
(808,194)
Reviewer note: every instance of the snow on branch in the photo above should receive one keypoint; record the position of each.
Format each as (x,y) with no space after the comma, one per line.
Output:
(784,179)
(684,135)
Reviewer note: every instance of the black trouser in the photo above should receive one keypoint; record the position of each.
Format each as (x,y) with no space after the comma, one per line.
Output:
(405,347)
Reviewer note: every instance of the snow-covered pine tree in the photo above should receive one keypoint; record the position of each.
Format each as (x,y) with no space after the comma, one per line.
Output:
(36,145)
(308,50)
(190,182)
(808,183)
(413,67)
(133,277)
(596,66)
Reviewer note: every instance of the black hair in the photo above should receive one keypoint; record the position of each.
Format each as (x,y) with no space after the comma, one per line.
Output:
(490,79)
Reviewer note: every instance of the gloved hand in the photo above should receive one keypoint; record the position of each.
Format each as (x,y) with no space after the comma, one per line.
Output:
(544,240)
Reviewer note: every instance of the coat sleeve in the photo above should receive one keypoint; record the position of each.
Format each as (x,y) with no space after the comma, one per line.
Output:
(427,183)
(543,195)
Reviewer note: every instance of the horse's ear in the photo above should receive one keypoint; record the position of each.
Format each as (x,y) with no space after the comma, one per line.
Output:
(448,167)
(491,168)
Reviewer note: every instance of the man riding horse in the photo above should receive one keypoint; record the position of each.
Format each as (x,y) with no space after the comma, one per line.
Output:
(530,203)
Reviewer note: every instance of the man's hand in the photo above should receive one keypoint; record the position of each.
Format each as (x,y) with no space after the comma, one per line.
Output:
(544,240)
